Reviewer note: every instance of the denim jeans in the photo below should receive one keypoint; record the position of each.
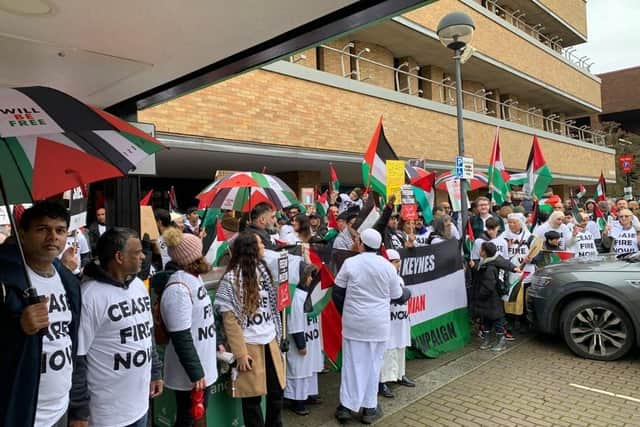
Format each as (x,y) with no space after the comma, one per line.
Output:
(142,422)
(497,324)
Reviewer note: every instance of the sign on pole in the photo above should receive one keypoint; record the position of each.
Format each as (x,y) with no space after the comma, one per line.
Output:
(626,162)
(284,299)
(409,209)
(395,177)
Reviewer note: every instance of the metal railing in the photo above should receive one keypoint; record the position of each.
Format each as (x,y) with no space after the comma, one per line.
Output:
(482,102)
(535,31)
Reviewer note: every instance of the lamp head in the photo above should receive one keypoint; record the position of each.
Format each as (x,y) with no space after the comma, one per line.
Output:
(455,30)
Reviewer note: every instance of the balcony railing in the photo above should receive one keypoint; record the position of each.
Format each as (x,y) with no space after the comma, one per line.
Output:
(532,117)
(536,31)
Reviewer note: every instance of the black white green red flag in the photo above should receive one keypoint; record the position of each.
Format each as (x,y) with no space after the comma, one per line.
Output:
(334,182)
(601,189)
(498,176)
(374,170)
(538,173)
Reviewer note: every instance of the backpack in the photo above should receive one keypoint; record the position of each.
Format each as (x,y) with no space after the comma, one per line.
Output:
(158,283)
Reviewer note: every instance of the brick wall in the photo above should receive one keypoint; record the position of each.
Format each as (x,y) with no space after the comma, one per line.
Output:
(574,12)
(267,107)
(372,73)
(508,48)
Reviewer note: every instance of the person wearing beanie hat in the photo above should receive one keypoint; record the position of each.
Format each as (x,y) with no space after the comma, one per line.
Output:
(364,288)
(186,309)
(393,365)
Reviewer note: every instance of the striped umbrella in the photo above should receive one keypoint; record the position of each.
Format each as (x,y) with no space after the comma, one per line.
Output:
(50,142)
(241,191)
(479,180)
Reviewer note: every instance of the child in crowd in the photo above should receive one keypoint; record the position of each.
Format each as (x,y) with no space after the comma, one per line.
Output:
(304,359)
(488,304)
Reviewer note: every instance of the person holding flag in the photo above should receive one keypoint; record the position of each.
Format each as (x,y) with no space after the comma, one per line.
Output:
(364,288)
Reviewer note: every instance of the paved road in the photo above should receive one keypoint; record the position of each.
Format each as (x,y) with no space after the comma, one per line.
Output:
(537,383)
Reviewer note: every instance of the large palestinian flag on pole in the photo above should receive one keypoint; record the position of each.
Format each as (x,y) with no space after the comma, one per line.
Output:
(601,189)
(538,173)
(334,182)
(374,169)
(438,304)
(498,176)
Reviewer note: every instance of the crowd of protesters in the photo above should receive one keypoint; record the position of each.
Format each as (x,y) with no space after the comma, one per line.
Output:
(82,330)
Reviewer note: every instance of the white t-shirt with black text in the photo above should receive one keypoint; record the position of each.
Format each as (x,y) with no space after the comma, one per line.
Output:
(183,309)
(625,241)
(115,335)
(56,362)
(260,329)
(400,333)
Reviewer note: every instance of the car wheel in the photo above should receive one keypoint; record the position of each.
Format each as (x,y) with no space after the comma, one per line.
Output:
(597,329)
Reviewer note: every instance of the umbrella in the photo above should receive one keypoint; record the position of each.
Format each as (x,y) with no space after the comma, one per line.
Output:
(50,142)
(479,180)
(241,191)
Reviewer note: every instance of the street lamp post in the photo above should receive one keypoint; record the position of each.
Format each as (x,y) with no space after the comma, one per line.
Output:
(455,31)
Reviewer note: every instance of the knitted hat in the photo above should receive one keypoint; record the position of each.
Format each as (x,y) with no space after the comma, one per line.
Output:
(183,248)
(371,238)
(229,222)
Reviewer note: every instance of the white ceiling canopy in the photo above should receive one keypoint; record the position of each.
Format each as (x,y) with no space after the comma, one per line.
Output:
(104,52)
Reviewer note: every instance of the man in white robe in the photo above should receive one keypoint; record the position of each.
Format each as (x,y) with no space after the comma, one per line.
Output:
(364,288)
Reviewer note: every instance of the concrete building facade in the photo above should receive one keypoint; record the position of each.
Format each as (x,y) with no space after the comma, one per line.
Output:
(322,104)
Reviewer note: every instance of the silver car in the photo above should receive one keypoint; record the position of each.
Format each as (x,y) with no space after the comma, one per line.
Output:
(593,303)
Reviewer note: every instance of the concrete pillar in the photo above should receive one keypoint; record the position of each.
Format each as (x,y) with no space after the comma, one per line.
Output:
(431,90)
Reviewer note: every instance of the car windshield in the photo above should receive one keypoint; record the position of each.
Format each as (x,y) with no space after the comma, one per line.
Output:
(633,257)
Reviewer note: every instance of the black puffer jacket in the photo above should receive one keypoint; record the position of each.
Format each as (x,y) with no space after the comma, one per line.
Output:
(487,302)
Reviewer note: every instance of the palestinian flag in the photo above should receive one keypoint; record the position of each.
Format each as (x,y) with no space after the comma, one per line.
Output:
(469,239)
(518,179)
(219,246)
(555,257)
(323,305)
(598,217)
(322,204)
(367,216)
(423,184)
(539,175)
(601,189)
(334,182)
(146,200)
(374,169)
(498,176)
(173,202)
(581,191)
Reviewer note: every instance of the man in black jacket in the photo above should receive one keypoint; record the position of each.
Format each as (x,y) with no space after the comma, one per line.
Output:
(38,333)
(97,228)
(263,218)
